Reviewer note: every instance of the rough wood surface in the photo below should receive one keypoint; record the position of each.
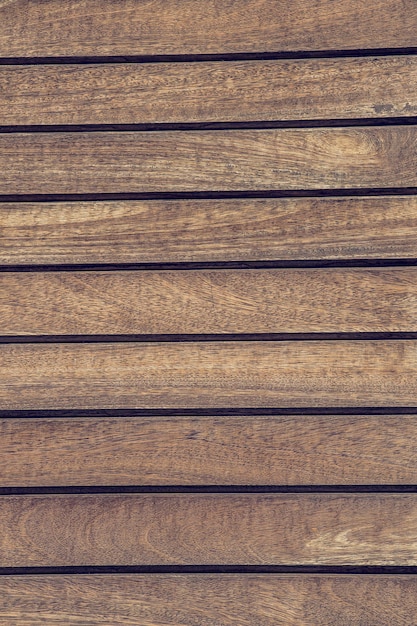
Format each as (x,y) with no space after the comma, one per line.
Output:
(208,230)
(244,450)
(205,600)
(31,28)
(208,92)
(209,301)
(248,529)
(192,443)
(307,158)
(208,375)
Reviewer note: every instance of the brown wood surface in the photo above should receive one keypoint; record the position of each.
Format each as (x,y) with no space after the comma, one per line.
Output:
(205,600)
(307,158)
(244,450)
(204,529)
(76,27)
(191,443)
(208,92)
(209,374)
(208,230)
(209,301)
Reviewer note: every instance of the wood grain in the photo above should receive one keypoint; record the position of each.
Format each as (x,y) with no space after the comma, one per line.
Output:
(308,158)
(208,375)
(228,599)
(208,230)
(201,26)
(300,450)
(168,529)
(208,92)
(209,301)
(251,529)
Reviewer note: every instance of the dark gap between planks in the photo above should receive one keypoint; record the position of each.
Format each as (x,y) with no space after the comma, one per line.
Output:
(202,412)
(202,489)
(212,265)
(210,126)
(190,58)
(206,338)
(211,569)
(211,195)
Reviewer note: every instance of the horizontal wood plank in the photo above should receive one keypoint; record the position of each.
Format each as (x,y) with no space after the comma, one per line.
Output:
(201,26)
(250,529)
(209,301)
(208,92)
(308,158)
(204,600)
(300,450)
(208,375)
(208,230)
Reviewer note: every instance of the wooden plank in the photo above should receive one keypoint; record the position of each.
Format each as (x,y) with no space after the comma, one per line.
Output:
(209,301)
(208,375)
(204,600)
(301,450)
(208,92)
(201,26)
(204,529)
(307,158)
(208,230)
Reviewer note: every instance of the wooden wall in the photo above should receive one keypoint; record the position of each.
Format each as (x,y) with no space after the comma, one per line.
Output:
(208,313)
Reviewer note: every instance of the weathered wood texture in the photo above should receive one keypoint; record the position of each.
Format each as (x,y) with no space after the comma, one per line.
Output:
(213,374)
(209,301)
(244,450)
(205,600)
(201,26)
(191,443)
(307,158)
(208,92)
(208,230)
(251,529)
